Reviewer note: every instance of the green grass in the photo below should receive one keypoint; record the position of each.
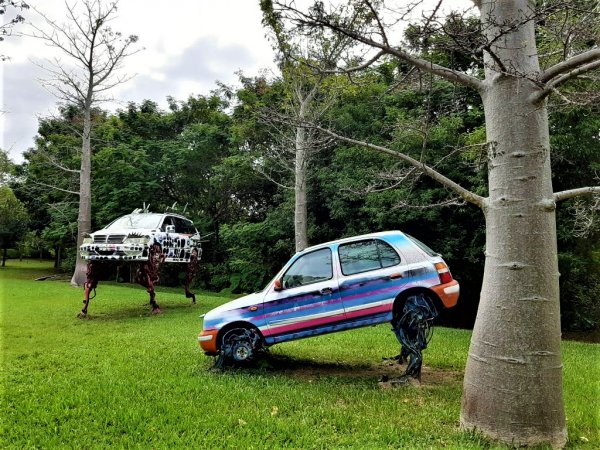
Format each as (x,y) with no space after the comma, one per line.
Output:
(126,378)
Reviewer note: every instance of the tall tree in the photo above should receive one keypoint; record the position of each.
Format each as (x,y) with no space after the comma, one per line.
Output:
(513,386)
(311,93)
(295,146)
(95,54)
(13,219)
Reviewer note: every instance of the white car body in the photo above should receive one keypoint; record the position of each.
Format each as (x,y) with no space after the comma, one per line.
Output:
(130,238)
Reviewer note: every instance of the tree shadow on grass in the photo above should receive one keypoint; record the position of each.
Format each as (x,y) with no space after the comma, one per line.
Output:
(386,373)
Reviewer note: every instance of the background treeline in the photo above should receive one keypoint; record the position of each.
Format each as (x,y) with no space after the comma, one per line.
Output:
(218,154)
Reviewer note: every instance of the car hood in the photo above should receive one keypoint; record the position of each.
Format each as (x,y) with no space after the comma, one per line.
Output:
(128,231)
(242,302)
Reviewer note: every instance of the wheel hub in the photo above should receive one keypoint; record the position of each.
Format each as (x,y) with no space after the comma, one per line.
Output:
(242,351)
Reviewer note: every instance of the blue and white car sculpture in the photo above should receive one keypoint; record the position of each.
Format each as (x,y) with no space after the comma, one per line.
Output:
(339,285)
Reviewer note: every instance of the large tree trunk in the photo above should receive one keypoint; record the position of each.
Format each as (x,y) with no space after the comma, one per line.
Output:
(513,378)
(301,174)
(84,218)
(57,249)
(4,250)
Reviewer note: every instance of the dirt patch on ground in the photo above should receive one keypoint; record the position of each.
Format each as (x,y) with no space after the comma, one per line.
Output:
(388,373)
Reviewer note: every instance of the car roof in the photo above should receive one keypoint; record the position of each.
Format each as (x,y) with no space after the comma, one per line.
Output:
(353,238)
(156,214)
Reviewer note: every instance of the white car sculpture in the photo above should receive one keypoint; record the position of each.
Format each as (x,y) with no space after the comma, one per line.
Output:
(148,239)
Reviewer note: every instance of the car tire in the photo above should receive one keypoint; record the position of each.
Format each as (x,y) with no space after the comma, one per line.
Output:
(238,346)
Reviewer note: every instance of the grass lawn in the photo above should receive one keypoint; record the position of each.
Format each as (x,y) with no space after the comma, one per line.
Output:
(126,378)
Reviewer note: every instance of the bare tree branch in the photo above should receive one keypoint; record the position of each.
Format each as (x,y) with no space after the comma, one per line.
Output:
(572,63)
(556,82)
(572,193)
(585,216)
(305,19)
(443,203)
(352,69)
(467,195)
(55,187)
(56,164)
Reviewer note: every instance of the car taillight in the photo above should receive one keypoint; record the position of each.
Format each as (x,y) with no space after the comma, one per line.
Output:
(443,272)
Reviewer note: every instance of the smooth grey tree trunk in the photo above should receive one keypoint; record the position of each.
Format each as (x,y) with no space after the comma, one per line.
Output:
(84,217)
(301,175)
(513,378)
(300,205)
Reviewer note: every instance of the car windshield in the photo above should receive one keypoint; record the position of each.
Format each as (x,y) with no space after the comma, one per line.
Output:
(132,221)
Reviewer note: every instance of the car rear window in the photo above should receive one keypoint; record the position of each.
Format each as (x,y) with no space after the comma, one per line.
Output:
(422,246)
(364,256)
(184,226)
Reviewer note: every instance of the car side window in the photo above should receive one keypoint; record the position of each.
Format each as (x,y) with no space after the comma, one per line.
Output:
(364,256)
(168,221)
(387,255)
(308,269)
(184,226)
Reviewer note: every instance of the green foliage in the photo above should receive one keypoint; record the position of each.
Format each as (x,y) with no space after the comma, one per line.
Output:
(13,218)
(256,251)
(6,167)
(127,378)
(576,162)
(203,152)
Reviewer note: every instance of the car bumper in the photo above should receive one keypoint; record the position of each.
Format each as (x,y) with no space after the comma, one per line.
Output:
(208,341)
(119,252)
(448,293)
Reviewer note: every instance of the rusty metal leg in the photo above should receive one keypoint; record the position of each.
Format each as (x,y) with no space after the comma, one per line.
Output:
(92,276)
(191,272)
(148,274)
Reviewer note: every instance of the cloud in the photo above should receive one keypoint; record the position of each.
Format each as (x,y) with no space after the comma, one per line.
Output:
(24,100)
(194,71)
(210,42)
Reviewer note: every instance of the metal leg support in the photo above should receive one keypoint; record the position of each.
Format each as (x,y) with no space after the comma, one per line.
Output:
(190,274)
(413,329)
(91,281)
(149,272)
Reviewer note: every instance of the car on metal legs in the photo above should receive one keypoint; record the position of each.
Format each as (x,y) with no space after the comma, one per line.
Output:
(131,238)
(145,241)
(340,285)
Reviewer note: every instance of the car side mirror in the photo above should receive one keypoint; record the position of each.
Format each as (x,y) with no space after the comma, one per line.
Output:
(170,228)
(277,285)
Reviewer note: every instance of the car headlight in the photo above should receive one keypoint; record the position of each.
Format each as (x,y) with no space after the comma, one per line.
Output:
(138,240)
(87,240)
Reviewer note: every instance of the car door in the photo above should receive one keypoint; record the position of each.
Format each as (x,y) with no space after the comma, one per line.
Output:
(372,275)
(309,298)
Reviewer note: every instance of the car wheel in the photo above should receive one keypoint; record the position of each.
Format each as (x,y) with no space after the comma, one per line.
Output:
(238,346)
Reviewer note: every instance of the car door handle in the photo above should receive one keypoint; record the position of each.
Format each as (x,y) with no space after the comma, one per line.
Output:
(326,291)
(395,276)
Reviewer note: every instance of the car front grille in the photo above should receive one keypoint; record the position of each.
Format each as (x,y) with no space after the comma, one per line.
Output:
(109,238)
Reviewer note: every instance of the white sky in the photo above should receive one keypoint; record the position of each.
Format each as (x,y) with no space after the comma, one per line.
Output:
(189,44)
